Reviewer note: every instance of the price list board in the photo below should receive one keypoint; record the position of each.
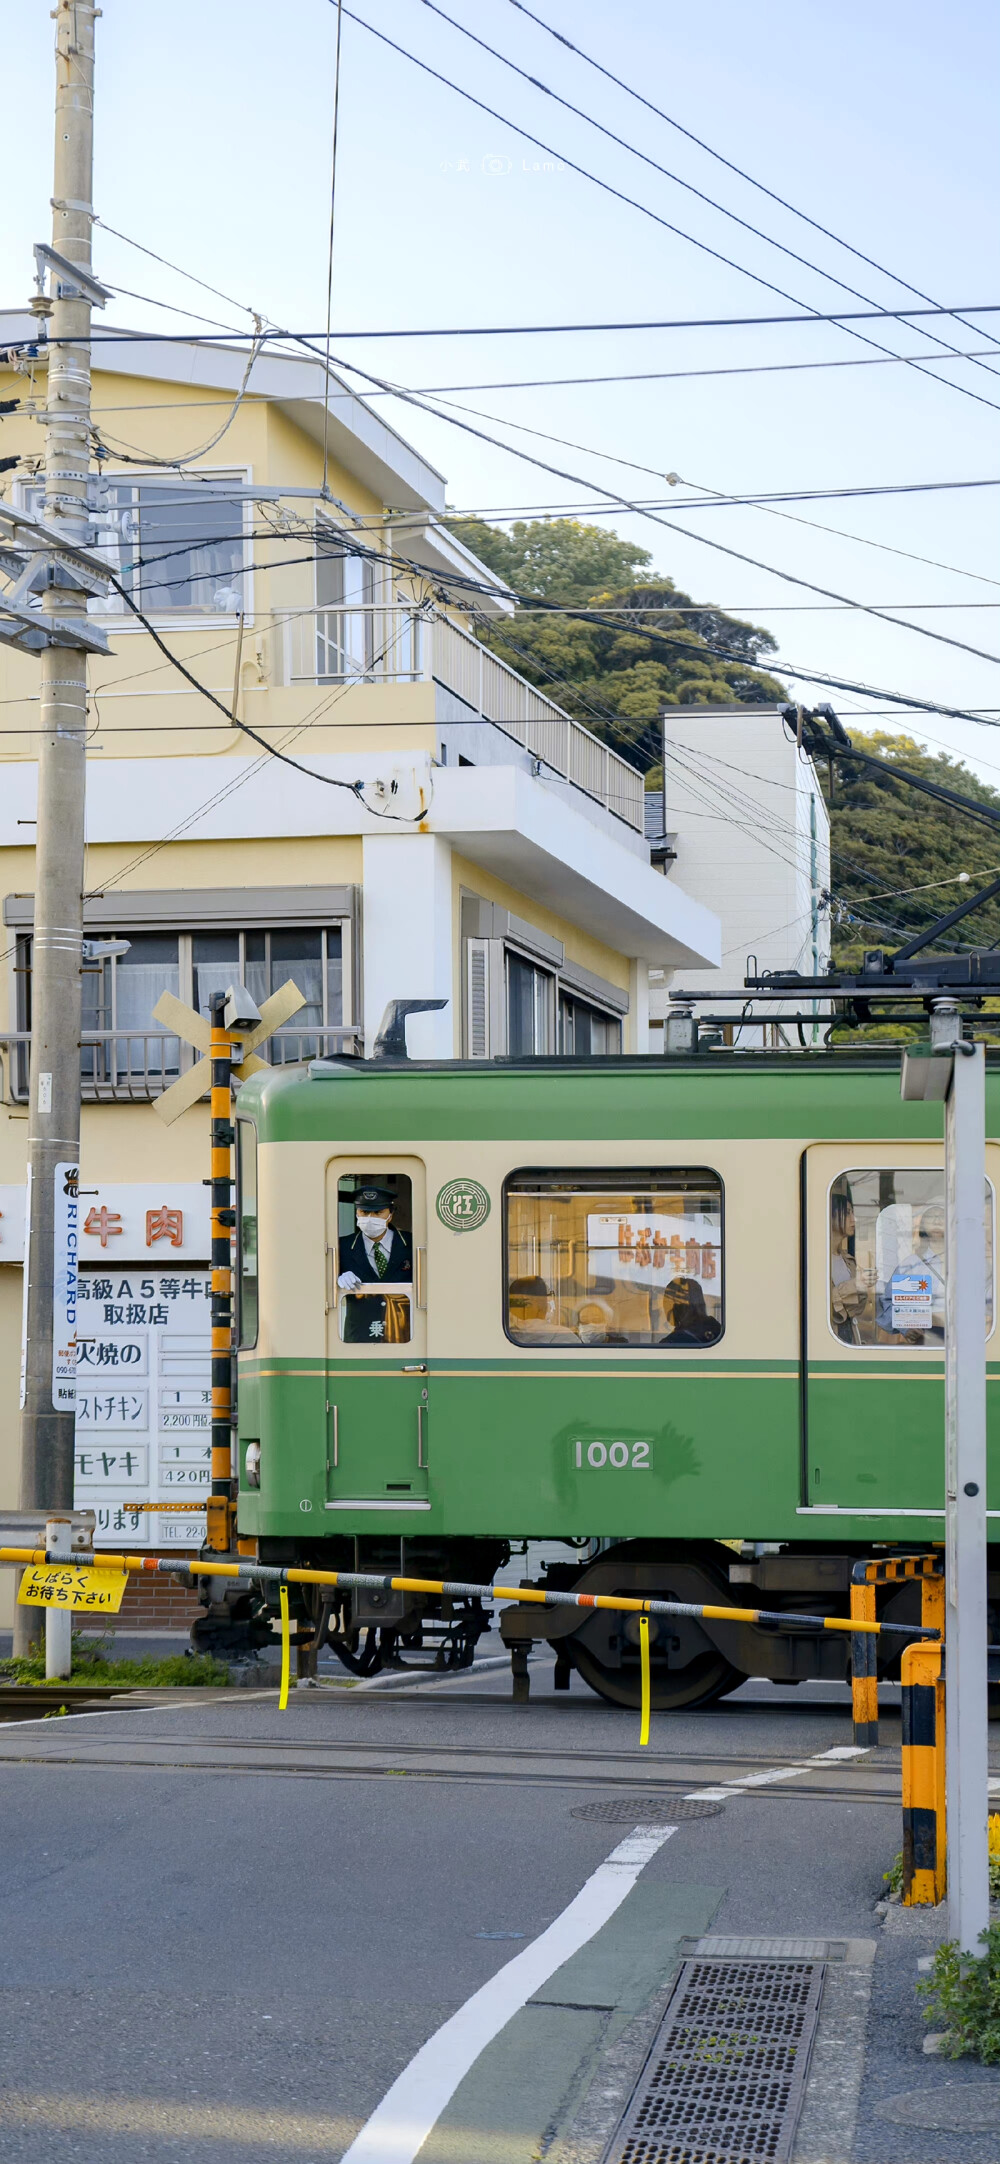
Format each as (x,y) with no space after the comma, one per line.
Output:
(144,1404)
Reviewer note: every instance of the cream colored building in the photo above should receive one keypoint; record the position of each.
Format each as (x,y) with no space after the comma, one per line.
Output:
(444,832)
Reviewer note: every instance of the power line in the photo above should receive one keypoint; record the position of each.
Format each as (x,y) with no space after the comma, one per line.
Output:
(462,583)
(634,151)
(108,337)
(244,306)
(354,788)
(542,383)
(632,202)
(623,503)
(739,170)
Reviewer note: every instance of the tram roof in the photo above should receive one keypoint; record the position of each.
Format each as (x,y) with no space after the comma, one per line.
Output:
(849,1094)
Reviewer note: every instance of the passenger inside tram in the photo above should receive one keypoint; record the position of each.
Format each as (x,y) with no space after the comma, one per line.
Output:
(686,1315)
(529,1305)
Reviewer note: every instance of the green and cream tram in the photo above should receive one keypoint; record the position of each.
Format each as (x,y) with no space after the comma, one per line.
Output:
(684,1316)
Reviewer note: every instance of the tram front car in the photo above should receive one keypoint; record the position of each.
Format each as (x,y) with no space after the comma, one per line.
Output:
(685,1319)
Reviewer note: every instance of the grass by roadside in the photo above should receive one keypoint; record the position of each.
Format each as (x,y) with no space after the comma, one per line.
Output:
(92,1664)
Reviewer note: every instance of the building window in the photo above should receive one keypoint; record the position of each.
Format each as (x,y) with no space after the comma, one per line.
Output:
(585,1030)
(530,999)
(887,1260)
(614,1258)
(176,550)
(120,994)
(345,615)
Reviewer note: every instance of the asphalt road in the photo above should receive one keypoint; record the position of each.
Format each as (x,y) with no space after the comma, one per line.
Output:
(228,1930)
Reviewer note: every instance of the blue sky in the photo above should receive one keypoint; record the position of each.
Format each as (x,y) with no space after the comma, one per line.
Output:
(213,149)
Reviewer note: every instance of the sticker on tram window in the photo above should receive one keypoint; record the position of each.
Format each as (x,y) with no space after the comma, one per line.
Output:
(617,1453)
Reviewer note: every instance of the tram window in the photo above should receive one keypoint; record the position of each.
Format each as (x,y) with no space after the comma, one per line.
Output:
(614,1258)
(374,1257)
(887,1266)
(246,1176)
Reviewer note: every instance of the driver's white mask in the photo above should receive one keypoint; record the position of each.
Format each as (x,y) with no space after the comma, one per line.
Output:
(373,1227)
(592,1333)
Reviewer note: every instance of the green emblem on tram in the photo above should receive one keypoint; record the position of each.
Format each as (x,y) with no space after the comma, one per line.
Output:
(463,1205)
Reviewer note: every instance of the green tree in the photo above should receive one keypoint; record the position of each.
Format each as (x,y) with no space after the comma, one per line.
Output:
(888,840)
(615,678)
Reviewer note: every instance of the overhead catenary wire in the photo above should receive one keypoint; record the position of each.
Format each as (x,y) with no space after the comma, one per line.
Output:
(624,503)
(634,151)
(104,335)
(131,454)
(721,159)
(462,584)
(354,788)
(633,202)
(543,383)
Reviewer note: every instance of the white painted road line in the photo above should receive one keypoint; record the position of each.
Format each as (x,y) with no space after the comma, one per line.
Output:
(842,1752)
(408,2111)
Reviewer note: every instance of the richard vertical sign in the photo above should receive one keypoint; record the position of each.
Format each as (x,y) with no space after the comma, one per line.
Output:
(65,1285)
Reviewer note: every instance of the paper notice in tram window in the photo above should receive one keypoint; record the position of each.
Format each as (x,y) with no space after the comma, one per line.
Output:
(644,1249)
(910,1295)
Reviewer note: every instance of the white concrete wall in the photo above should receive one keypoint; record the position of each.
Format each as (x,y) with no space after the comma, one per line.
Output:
(407,935)
(740,801)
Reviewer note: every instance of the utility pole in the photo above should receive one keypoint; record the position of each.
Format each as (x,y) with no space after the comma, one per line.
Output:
(951,1069)
(48,1388)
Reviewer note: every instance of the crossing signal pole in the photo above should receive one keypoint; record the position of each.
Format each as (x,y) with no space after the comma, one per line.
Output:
(48,1393)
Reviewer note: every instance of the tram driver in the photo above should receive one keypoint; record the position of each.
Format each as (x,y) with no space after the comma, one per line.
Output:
(376,1250)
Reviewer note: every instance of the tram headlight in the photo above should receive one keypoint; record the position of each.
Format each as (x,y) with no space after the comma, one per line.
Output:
(251,1465)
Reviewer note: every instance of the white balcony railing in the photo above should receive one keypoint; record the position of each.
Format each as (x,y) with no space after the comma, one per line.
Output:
(129,1066)
(399,646)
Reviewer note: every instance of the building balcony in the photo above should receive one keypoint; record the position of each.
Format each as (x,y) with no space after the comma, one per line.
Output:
(403,646)
(134,1066)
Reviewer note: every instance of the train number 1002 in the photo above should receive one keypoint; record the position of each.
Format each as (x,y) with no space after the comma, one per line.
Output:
(620,1454)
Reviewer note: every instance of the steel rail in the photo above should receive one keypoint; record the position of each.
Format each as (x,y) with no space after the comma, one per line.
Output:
(250,1573)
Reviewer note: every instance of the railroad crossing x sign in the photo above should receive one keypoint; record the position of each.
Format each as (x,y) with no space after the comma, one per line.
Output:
(194,1029)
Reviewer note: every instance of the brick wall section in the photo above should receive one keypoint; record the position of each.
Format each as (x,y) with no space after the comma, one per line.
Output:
(157,1604)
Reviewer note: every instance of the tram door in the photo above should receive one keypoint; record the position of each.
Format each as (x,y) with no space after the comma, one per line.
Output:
(873,1426)
(378,1426)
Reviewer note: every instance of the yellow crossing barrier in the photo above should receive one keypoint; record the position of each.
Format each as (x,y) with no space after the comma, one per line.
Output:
(250,1572)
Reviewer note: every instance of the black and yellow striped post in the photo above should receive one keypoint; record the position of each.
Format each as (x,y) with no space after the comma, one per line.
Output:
(864,1678)
(886,1570)
(924,1827)
(219,1509)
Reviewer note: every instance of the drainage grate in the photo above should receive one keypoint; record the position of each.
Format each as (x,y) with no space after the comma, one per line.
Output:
(725,2079)
(648,1810)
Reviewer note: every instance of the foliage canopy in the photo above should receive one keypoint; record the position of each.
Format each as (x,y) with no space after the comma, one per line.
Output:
(616,679)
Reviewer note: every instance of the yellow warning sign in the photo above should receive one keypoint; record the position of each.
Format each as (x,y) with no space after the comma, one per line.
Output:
(72,1585)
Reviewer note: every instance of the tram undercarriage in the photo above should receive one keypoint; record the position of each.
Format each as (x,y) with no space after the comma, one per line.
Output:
(694,1661)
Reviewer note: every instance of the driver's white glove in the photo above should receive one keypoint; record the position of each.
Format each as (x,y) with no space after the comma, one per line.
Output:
(348,1281)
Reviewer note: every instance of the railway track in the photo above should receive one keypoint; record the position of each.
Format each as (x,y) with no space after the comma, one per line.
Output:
(684,1774)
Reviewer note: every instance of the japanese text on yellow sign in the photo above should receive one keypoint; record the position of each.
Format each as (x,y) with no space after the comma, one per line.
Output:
(72,1585)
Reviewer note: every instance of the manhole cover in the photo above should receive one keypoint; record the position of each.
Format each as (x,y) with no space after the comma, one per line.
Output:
(725,2079)
(648,1810)
(962,2107)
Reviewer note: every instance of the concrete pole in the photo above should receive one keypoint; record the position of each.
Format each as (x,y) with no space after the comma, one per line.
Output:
(966,1696)
(58,1621)
(48,1407)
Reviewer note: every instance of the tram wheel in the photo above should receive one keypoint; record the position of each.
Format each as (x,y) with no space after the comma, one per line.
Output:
(705,1679)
